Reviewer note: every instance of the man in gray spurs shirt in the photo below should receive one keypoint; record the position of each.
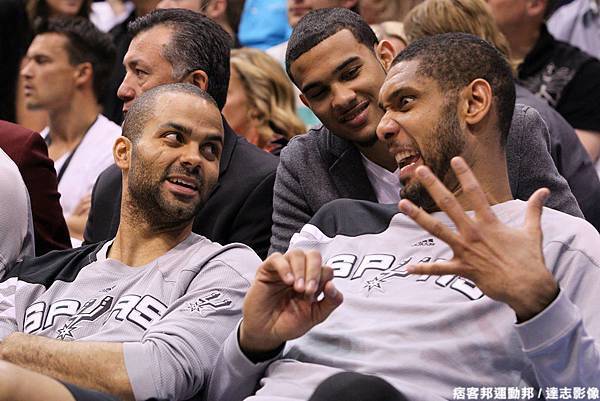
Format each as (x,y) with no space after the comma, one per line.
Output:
(500,297)
(141,316)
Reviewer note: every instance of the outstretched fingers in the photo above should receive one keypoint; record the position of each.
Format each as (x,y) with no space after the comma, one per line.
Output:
(471,188)
(436,268)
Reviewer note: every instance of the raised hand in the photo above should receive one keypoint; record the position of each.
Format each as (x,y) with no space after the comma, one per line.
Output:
(282,302)
(506,263)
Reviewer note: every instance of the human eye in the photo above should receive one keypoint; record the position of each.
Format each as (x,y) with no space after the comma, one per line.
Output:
(140,73)
(210,151)
(404,102)
(173,137)
(316,93)
(350,73)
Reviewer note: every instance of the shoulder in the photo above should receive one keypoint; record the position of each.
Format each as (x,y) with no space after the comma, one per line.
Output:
(571,231)
(110,177)
(351,217)
(238,258)
(17,141)
(251,158)
(62,265)
(9,177)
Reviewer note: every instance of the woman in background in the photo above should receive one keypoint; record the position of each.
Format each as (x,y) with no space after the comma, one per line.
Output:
(260,104)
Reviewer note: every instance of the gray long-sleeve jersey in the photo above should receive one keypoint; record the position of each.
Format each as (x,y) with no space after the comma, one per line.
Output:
(171,315)
(429,334)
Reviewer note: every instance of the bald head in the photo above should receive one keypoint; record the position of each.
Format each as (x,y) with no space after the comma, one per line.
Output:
(142,109)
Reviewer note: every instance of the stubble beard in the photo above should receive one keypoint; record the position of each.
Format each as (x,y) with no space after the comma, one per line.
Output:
(148,204)
(451,143)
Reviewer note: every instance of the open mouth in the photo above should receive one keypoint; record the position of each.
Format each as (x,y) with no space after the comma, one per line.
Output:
(408,161)
(183,187)
(183,183)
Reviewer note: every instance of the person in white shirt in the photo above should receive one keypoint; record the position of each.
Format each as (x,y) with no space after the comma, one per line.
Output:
(65,73)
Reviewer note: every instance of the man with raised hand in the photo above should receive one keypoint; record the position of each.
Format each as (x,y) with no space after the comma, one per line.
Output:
(334,57)
(531,323)
(141,316)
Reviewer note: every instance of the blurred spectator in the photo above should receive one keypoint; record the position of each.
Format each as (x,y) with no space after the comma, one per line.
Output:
(106,14)
(65,71)
(260,101)
(112,106)
(38,11)
(393,32)
(226,13)
(378,11)
(434,17)
(16,228)
(183,46)
(564,76)
(264,23)
(29,152)
(578,23)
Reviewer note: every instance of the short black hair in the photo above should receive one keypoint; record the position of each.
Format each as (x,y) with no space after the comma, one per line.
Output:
(85,44)
(198,43)
(318,25)
(454,60)
(142,108)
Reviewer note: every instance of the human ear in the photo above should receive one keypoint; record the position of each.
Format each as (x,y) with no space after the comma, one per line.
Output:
(122,152)
(84,72)
(198,78)
(476,101)
(385,53)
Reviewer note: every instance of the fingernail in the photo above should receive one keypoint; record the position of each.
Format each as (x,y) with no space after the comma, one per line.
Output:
(422,172)
(311,286)
(406,207)
(300,283)
(332,292)
(289,278)
(411,269)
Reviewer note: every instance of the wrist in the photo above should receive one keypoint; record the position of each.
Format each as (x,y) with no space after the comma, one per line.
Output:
(257,346)
(532,303)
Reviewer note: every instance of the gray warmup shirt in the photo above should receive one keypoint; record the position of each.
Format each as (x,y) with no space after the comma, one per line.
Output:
(429,334)
(171,315)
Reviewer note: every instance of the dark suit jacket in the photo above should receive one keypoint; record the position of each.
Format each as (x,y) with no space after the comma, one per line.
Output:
(29,152)
(318,167)
(238,209)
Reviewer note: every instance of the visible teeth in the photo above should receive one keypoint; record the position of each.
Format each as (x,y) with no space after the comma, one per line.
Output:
(183,183)
(404,157)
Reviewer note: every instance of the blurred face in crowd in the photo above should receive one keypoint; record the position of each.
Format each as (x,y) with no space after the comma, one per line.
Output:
(420,127)
(237,109)
(48,75)
(145,66)
(175,162)
(508,13)
(340,80)
(194,5)
(64,7)
(299,8)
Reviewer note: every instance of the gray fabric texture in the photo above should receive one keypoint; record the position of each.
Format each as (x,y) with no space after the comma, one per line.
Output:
(318,167)
(427,335)
(16,223)
(171,315)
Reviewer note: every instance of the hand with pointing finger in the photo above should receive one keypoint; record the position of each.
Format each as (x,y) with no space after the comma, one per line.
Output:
(282,303)
(506,263)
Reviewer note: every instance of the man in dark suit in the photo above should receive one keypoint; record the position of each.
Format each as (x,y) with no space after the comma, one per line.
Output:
(29,152)
(182,46)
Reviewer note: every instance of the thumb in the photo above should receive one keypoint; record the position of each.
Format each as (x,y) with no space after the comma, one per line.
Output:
(331,300)
(535,204)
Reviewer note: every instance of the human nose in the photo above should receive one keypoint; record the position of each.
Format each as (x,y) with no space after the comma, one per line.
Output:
(26,71)
(387,128)
(126,92)
(343,97)
(190,157)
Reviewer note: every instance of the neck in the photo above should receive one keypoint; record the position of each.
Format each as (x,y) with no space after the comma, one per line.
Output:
(379,155)
(521,39)
(492,174)
(68,124)
(137,243)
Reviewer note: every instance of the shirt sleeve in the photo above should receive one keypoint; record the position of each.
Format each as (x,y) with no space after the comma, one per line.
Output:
(8,317)
(562,342)
(176,355)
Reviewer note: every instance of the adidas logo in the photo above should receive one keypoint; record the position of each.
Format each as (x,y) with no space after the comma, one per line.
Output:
(425,242)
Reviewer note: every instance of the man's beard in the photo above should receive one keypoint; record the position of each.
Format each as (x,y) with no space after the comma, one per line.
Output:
(450,143)
(147,202)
